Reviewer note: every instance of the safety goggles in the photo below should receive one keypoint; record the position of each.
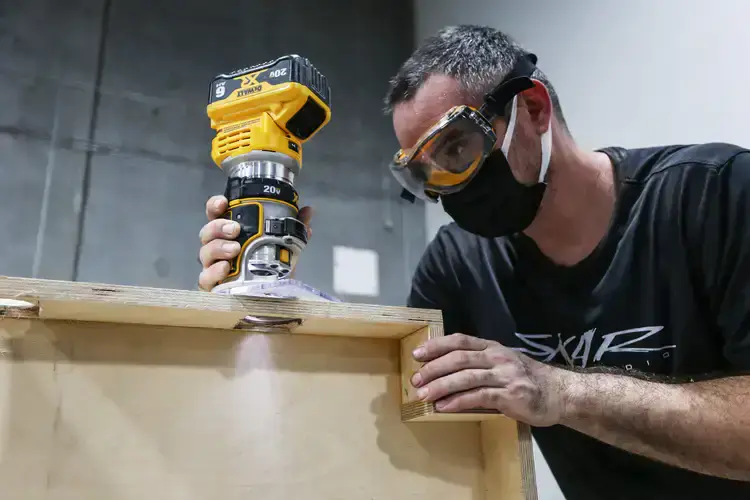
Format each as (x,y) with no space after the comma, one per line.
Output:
(451,152)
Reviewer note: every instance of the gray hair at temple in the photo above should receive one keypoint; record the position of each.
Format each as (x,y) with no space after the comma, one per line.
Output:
(478,57)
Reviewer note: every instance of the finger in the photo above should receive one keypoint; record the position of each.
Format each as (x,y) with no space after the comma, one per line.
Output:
(216,206)
(450,363)
(217,250)
(305,216)
(219,229)
(480,398)
(441,346)
(211,276)
(461,381)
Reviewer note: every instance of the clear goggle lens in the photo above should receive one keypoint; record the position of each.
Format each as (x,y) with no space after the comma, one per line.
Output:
(447,157)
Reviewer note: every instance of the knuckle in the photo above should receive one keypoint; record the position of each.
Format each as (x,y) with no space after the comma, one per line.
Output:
(486,377)
(221,270)
(207,232)
(489,396)
(479,378)
(463,359)
(219,249)
(439,388)
(462,340)
(213,274)
(203,281)
(498,353)
(211,252)
(474,378)
(215,206)
(229,249)
(430,372)
(203,256)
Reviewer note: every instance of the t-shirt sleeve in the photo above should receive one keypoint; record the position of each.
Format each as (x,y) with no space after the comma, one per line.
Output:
(435,286)
(725,262)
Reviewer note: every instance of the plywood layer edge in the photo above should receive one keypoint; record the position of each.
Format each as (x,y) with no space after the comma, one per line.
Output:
(64,300)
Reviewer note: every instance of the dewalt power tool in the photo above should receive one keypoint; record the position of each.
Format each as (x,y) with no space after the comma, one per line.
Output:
(262,115)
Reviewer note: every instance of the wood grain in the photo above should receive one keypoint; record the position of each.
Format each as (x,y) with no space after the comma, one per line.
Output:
(508,460)
(129,412)
(154,306)
(409,366)
(124,393)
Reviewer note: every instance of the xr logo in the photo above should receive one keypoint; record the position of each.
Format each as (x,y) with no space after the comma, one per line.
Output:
(249,80)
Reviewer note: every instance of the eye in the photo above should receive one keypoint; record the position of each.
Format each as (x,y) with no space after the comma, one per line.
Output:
(451,143)
(452,155)
(456,148)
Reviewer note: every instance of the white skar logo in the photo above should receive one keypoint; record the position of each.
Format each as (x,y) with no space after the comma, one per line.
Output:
(582,351)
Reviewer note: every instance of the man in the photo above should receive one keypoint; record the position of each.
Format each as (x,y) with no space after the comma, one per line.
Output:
(603,297)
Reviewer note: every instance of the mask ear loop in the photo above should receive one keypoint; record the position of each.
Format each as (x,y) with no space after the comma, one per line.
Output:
(546,141)
(511,127)
(546,151)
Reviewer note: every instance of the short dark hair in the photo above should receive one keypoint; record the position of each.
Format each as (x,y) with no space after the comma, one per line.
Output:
(477,56)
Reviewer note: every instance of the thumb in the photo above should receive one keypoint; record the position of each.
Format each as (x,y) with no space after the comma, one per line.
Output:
(305,215)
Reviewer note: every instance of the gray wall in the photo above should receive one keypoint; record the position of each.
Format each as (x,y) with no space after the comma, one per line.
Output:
(104,140)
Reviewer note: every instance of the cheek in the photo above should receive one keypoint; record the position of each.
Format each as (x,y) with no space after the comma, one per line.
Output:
(525,153)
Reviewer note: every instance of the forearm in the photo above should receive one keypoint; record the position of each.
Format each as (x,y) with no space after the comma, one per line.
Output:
(702,426)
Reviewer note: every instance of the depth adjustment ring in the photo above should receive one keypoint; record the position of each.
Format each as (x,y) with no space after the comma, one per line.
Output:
(239,188)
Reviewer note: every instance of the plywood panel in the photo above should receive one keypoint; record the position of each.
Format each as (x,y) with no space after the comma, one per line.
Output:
(121,392)
(508,460)
(107,411)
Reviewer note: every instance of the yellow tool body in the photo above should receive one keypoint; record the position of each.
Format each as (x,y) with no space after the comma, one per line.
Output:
(262,115)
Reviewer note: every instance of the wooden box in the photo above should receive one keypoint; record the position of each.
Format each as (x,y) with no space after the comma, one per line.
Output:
(128,393)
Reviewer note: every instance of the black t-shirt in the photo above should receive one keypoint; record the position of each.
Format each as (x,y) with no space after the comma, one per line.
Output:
(666,292)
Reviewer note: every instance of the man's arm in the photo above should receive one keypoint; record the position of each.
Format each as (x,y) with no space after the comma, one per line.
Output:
(701,426)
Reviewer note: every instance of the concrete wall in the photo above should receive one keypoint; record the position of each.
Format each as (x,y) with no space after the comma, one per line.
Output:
(631,74)
(104,141)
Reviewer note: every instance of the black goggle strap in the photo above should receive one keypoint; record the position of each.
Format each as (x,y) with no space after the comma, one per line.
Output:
(408,195)
(515,82)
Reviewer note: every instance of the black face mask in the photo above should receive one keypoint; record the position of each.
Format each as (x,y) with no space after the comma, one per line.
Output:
(494,203)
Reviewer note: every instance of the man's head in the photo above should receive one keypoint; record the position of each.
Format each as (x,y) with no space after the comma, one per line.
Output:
(459,65)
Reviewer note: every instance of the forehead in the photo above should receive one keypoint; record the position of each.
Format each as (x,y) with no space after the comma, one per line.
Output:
(412,118)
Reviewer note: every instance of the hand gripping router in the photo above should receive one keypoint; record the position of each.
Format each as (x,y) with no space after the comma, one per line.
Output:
(262,115)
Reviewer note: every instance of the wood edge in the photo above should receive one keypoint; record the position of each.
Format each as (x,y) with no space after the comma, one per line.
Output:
(52,298)
(526,454)
(508,458)
(436,330)
(419,411)
(30,289)
(408,366)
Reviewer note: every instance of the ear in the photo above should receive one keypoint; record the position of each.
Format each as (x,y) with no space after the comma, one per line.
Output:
(538,103)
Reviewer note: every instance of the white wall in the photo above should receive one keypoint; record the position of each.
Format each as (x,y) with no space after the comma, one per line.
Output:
(635,73)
